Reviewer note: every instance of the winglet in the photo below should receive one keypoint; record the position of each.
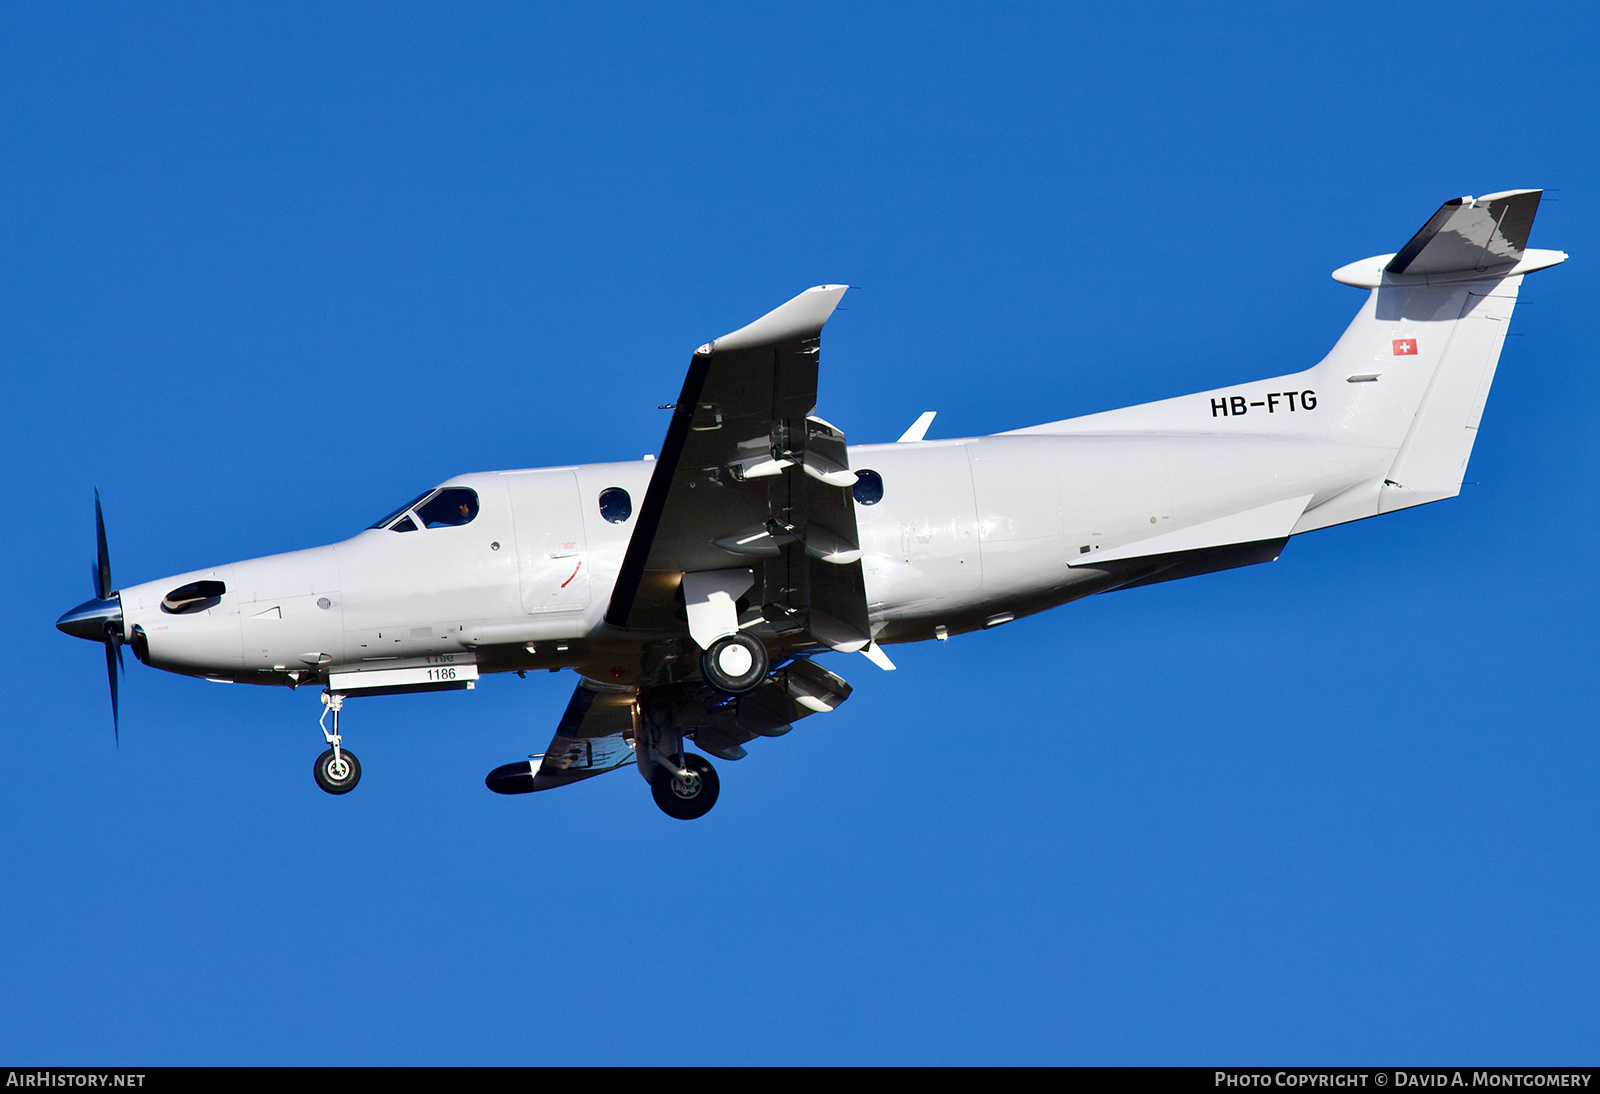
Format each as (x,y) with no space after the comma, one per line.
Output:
(801,317)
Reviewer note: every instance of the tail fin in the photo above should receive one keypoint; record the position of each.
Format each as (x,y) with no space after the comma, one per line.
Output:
(1414,367)
(1398,398)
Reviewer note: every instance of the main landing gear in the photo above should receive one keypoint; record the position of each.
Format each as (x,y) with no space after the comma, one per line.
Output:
(337,770)
(685,786)
(735,663)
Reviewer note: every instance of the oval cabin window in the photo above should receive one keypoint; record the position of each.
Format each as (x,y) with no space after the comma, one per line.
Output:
(615,505)
(868,489)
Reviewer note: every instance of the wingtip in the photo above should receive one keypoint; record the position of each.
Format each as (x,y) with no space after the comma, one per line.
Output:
(1503,194)
(801,317)
(517,778)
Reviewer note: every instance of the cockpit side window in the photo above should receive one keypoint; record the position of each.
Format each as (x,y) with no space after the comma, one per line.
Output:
(449,507)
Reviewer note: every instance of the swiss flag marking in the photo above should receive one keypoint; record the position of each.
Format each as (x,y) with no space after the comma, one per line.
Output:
(1404,347)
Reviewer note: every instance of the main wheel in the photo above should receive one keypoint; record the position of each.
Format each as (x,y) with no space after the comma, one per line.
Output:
(735,664)
(337,777)
(685,797)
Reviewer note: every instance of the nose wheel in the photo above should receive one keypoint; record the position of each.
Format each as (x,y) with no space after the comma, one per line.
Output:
(337,770)
(686,787)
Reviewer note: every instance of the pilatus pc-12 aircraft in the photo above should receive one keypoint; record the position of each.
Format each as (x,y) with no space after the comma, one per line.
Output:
(693,593)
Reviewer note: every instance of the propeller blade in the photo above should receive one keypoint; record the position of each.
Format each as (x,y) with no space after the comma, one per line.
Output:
(113,663)
(103,560)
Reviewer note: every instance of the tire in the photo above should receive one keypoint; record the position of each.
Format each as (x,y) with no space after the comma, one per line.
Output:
(735,664)
(335,782)
(686,799)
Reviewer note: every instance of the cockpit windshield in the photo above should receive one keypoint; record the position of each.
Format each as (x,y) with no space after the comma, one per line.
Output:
(444,508)
(412,504)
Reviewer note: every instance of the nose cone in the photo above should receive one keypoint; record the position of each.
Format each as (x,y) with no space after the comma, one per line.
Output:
(89,619)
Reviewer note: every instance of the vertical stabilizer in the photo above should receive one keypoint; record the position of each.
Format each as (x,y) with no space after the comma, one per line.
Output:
(1432,460)
(1413,370)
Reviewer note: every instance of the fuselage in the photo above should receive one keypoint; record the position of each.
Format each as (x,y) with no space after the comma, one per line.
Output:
(963,534)
(690,593)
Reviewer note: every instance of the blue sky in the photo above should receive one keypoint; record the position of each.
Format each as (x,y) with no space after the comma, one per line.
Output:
(270,270)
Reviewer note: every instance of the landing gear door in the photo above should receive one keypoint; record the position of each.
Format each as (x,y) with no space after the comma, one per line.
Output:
(552,553)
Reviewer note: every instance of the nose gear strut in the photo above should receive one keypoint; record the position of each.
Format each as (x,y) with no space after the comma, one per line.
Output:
(337,770)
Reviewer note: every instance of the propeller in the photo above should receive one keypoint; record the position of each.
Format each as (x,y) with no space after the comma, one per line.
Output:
(100,619)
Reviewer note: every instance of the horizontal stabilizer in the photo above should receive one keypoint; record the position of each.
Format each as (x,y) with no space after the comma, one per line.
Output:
(1468,239)
(1266,522)
(1468,234)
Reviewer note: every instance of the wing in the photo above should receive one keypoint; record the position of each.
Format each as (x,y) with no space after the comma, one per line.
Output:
(751,490)
(597,733)
(748,525)
(592,738)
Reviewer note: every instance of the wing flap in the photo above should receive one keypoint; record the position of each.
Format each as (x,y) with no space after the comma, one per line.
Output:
(800,689)
(597,732)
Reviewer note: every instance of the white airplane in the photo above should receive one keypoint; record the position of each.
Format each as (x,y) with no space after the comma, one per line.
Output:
(692,592)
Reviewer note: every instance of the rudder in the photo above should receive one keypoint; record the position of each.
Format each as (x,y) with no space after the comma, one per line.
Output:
(1432,460)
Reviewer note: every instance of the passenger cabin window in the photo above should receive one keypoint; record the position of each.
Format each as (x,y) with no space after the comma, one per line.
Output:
(447,508)
(615,505)
(868,489)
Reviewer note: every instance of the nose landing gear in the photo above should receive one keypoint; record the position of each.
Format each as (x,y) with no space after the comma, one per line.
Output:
(337,770)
